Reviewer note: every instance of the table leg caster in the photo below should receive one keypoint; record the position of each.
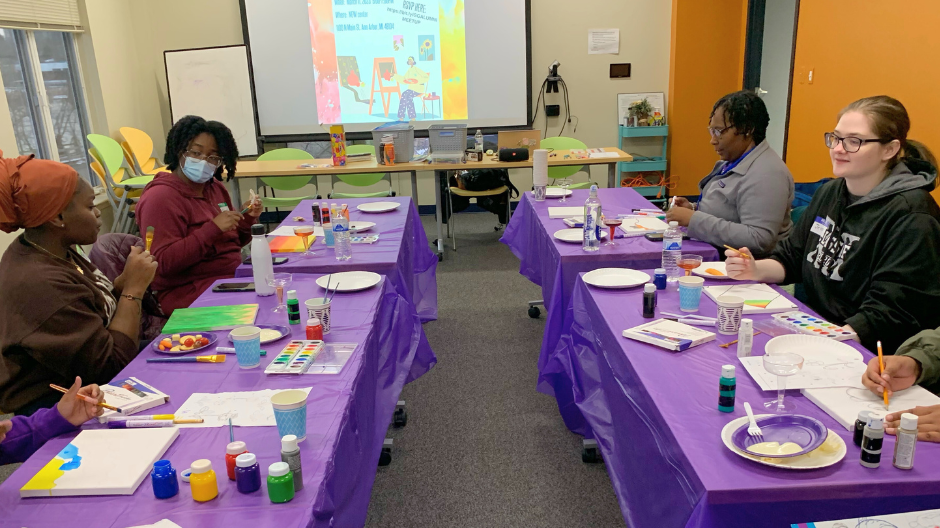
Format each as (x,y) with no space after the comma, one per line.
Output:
(440,257)
(590,454)
(534,312)
(385,458)
(400,417)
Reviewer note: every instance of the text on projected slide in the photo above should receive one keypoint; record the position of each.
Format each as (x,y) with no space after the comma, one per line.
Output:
(389,60)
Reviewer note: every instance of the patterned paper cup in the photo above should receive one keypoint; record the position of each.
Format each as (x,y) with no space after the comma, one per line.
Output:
(290,413)
(247,341)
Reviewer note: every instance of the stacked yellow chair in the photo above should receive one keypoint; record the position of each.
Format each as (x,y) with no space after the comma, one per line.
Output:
(138,152)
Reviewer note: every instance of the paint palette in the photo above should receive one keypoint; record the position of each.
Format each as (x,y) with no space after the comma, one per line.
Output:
(295,358)
(812,325)
(364,239)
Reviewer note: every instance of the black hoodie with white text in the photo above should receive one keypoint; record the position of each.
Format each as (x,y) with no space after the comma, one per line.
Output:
(874,262)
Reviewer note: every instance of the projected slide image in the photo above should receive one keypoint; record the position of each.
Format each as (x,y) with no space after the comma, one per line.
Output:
(389,60)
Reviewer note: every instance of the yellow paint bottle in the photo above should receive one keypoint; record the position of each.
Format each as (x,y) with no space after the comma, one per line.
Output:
(202,481)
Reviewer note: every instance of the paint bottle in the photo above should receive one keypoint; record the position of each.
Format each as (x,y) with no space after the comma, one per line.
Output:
(316,213)
(659,278)
(293,308)
(314,329)
(906,442)
(247,473)
(649,300)
(163,478)
(745,337)
(327,224)
(280,482)
(726,387)
(860,424)
(872,439)
(231,453)
(290,454)
(202,481)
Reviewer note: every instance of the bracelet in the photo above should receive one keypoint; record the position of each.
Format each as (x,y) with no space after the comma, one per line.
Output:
(140,301)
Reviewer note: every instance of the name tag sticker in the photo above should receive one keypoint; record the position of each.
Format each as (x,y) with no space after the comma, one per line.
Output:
(819,226)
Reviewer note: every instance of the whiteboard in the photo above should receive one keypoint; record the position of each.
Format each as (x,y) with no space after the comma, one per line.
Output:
(214,83)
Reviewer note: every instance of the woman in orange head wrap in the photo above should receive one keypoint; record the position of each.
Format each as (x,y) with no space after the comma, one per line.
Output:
(60,316)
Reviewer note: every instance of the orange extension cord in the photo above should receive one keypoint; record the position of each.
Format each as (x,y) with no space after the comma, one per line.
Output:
(651,179)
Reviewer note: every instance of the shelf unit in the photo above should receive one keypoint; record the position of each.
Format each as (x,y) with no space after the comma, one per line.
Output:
(657,163)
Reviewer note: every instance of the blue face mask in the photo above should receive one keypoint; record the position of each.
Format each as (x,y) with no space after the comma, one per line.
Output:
(197,170)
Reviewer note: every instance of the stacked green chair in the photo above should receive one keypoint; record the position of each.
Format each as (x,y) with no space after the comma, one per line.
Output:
(361,180)
(566,143)
(286,183)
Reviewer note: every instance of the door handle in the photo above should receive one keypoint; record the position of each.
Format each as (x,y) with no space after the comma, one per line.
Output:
(759,92)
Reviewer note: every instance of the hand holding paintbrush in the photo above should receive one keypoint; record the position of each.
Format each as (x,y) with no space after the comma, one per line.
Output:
(80,404)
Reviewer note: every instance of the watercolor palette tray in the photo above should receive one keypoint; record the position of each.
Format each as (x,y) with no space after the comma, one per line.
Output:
(296,357)
(808,324)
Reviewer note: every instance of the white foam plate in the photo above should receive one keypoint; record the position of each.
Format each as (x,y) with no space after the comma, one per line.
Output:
(355,227)
(812,460)
(717,266)
(574,235)
(614,278)
(555,192)
(378,207)
(812,347)
(350,281)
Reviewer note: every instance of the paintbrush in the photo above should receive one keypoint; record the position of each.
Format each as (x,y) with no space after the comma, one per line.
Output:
(88,399)
(252,197)
(216,358)
(743,254)
(881,371)
(328,279)
(334,292)
(231,431)
(729,343)
(149,238)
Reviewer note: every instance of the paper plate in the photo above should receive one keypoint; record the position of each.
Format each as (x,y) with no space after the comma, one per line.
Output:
(702,271)
(614,278)
(808,433)
(555,192)
(574,235)
(355,227)
(813,460)
(378,207)
(208,335)
(812,347)
(350,281)
(266,333)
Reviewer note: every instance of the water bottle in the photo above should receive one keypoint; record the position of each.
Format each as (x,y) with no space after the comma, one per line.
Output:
(261,263)
(327,225)
(672,249)
(478,140)
(592,217)
(341,241)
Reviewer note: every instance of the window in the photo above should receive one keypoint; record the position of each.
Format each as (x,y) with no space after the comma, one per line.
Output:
(43,88)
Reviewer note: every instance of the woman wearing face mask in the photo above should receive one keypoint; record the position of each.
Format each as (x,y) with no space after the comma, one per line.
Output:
(60,316)
(745,200)
(867,246)
(198,231)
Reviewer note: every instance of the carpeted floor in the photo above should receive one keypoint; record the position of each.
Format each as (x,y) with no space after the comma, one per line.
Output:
(482,447)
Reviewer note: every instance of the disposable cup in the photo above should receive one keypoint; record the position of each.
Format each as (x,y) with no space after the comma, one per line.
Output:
(247,340)
(690,293)
(290,413)
(317,308)
(730,308)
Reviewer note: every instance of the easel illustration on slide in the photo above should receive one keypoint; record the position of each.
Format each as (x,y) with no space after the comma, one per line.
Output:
(383,69)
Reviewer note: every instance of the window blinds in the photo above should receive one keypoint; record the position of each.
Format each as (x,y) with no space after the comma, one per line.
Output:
(53,15)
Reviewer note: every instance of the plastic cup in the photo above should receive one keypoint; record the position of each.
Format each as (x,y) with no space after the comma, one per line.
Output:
(247,340)
(730,308)
(290,413)
(317,308)
(690,293)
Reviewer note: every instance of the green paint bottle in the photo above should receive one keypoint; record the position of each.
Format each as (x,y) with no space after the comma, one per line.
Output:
(293,308)
(280,482)
(726,387)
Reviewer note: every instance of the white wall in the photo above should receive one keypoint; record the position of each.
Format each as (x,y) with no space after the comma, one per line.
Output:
(776,51)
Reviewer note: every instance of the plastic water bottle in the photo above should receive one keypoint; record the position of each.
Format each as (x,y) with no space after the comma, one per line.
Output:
(327,225)
(672,249)
(341,240)
(592,218)
(261,263)
(478,140)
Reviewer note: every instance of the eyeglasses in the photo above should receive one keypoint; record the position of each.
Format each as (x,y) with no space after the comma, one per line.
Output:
(212,160)
(850,144)
(717,132)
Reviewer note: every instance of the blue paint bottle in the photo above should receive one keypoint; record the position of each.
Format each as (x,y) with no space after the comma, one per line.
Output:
(247,473)
(659,278)
(726,387)
(163,477)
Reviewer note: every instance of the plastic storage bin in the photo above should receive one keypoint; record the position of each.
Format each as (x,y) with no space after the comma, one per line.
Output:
(447,138)
(404,141)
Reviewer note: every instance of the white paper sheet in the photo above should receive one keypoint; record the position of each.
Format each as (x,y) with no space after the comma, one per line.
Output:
(603,41)
(289,231)
(165,523)
(246,409)
(830,372)
(565,212)
(920,519)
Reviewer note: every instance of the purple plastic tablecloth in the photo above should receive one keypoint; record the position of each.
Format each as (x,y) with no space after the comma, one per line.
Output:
(347,418)
(654,414)
(402,252)
(555,265)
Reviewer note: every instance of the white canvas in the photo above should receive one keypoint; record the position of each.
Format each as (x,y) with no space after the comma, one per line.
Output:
(920,519)
(754,295)
(101,462)
(844,403)
(565,212)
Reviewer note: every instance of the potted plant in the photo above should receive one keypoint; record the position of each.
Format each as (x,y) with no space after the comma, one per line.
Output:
(641,110)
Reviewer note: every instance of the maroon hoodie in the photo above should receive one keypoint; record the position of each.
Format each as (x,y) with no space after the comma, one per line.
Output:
(190,250)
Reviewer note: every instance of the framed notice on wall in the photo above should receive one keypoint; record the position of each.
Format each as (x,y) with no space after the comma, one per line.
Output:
(656,99)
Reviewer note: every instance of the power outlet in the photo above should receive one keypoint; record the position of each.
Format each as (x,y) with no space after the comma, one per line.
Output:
(553,110)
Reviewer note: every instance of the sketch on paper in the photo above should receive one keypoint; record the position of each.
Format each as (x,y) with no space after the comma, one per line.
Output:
(245,409)
(921,519)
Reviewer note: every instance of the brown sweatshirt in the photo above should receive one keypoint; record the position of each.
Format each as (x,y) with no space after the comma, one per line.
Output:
(52,327)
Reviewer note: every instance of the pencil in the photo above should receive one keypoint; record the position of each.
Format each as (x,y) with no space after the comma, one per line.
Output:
(745,255)
(881,371)
(87,399)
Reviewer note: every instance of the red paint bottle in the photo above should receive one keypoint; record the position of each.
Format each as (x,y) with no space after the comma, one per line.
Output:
(231,453)
(314,329)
